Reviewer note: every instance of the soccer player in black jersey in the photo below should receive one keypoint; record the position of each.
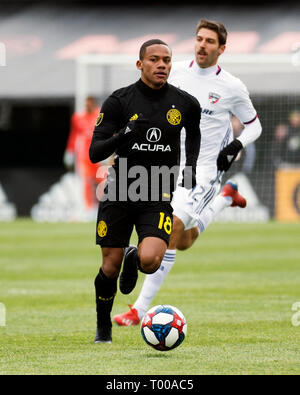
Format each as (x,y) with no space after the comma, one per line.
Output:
(141,124)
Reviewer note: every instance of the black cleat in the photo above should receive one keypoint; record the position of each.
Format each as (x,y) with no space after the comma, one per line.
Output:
(129,275)
(103,335)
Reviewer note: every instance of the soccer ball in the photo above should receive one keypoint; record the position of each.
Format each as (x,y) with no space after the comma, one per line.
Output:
(164,327)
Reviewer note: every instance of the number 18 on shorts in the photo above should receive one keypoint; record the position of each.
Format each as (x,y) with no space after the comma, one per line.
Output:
(116,222)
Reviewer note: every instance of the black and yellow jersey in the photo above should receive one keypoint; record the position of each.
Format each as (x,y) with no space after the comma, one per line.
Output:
(167,111)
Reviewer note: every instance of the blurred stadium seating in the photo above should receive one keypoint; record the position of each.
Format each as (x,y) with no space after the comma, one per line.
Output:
(45,79)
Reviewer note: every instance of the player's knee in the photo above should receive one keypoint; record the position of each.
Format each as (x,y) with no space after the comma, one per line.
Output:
(149,263)
(111,268)
(110,271)
(112,261)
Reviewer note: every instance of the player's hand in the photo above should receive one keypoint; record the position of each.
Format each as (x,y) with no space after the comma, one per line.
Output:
(133,128)
(188,177)
(69,160)
(228,154)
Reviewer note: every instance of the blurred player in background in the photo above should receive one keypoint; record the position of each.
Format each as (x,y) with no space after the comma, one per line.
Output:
(287,141)
(77,153)
(220,95)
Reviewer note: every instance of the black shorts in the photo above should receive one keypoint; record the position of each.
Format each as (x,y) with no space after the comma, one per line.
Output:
(116,221)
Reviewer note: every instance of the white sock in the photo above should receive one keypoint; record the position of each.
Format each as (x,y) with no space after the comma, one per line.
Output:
(153,282)
(208,214)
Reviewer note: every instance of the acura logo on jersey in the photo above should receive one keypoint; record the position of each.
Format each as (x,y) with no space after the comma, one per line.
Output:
(153,135)
(151,147)
(213,97)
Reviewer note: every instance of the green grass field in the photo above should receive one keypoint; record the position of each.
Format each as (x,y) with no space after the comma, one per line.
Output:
(236,287)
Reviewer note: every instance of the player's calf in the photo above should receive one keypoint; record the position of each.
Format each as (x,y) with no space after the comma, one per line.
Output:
(105,289)
(187,239)
(177,233)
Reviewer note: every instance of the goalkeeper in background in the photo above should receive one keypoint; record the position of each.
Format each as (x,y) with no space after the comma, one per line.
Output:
(220,95)
(77,154)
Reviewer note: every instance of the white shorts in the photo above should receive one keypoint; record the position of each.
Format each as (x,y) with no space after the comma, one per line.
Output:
(205,191)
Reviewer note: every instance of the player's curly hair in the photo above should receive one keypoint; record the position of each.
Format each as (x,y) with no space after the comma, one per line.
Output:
(217,27)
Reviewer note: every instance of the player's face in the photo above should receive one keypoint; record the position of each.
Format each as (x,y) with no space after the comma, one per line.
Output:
(207,48)
(155,66)
(295,120)
(90,105)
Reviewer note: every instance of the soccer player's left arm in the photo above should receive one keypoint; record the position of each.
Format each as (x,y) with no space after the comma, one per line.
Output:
(192,144)
(244,110)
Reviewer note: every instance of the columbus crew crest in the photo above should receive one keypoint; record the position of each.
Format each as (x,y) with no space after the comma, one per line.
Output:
(174,116)
(102,229)
(213,97)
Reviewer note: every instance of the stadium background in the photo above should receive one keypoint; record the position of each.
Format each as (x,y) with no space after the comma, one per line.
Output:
(38,83)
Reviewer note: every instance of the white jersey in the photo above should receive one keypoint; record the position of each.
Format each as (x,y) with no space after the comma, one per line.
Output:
(220,95)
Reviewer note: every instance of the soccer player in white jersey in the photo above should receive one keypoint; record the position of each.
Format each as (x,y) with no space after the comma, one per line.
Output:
(220,95)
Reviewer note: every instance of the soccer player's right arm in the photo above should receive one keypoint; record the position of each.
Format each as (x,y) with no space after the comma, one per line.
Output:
(244,110)
(104,142)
